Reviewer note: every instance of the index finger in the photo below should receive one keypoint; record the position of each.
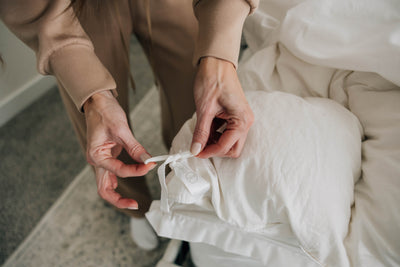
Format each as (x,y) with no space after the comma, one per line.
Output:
(106,184)
(225,143)
(126,170)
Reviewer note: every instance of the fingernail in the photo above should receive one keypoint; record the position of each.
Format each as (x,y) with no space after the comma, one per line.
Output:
(144,157)
(195,149)
(133,208)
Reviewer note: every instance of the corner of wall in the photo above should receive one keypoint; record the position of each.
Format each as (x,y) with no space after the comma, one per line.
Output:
(23,96)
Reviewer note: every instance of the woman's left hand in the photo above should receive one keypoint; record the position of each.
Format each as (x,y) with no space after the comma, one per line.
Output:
(219,98)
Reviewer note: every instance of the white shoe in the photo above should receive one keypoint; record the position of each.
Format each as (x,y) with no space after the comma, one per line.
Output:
(170,254)
(143,234)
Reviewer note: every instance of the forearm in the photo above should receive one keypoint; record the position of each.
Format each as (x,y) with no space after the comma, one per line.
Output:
(62,47)
(80,71)
(220,27)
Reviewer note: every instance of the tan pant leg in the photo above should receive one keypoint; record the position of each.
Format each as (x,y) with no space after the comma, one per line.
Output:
(102,28)
(174,31)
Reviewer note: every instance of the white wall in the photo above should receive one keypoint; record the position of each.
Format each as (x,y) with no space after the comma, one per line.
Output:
(20,84)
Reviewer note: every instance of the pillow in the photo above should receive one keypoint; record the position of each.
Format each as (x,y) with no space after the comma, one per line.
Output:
(293,183)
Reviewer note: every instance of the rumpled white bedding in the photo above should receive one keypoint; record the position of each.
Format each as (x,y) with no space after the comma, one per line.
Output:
(360,35)
(373,238)
(374,231)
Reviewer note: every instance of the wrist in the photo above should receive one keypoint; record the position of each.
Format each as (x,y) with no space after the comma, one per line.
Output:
(214,61)
(97,99)
(213,69)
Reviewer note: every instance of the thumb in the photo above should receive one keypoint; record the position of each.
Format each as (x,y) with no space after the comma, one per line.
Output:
(201,133)
(133,147)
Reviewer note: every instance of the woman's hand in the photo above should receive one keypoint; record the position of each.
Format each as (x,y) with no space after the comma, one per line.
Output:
(107,134)
(219,96)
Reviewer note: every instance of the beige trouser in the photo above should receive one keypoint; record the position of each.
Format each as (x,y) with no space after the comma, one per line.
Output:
(174,29)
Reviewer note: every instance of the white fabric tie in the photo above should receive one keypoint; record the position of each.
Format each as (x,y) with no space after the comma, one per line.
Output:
(168,159)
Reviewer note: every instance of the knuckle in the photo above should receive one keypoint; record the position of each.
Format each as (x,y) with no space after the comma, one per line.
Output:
(88,154)
(248,116)
(119,131)
(102,193)
(201,134)
(247,120)
(250,119)
(227,153)
(206,110)
(241,124)
(235,154)
(91,155)
(221,149)
(135,149)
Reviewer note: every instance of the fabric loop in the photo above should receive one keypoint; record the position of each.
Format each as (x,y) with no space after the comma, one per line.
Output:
(168,159)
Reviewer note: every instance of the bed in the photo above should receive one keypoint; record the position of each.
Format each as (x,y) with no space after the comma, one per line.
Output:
(339,63)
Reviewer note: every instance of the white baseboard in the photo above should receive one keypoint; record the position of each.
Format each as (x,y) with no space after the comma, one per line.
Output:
(24,96)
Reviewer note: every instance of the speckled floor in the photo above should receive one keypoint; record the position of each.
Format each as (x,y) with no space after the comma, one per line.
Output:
(82,230)
(39,158)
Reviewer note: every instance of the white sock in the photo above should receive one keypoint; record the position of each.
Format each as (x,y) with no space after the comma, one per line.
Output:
(143,234)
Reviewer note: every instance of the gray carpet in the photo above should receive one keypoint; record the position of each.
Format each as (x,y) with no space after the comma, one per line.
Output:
(39,157)
(80,229)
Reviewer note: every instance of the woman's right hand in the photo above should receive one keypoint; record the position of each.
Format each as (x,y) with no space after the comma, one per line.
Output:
(218,95)
(108,133)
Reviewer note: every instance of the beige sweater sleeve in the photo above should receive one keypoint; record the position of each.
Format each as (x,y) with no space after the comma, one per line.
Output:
(220,27)
(62,47)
